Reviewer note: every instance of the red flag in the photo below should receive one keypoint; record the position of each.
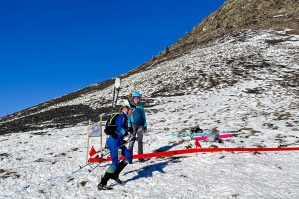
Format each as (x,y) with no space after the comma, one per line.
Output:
(92,152)
(101,159)
(197,144)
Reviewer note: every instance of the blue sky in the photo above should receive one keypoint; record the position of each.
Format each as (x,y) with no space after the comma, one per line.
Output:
(49,48)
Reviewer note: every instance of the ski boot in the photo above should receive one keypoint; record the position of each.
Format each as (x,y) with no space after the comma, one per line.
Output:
(104,187)
(115,176)
(103,184)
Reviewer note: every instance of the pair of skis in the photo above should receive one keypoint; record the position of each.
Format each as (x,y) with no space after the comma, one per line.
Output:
(194,134)
(205,137)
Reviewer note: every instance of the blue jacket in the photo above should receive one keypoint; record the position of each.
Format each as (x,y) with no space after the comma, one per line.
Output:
(137,117)
(122,127)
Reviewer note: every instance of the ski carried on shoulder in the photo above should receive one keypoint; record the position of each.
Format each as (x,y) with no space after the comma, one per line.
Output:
(114,99)
(115,93)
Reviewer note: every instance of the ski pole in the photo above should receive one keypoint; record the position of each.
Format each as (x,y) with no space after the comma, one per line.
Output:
(90,170)
(132,139)
(89,163)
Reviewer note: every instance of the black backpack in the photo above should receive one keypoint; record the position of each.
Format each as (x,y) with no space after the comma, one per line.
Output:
(110,125)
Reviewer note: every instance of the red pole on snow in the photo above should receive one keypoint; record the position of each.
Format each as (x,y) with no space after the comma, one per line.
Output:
(200,150)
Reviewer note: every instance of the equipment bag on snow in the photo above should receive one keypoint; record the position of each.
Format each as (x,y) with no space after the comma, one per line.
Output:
(111,126)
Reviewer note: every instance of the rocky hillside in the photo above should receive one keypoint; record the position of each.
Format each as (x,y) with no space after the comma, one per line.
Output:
(239,46)
(236,16)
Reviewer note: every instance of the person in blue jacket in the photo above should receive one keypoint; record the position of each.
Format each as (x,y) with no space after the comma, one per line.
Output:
(115,144)
(137,124)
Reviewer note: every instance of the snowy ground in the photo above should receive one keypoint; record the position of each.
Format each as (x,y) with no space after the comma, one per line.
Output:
(44,164)
(47,167)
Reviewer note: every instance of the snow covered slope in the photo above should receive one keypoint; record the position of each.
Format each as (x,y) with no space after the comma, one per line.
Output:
(245,84)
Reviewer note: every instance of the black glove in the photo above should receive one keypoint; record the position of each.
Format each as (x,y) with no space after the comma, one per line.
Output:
(126,133)
(114,135)
(145,128)
(130,129)
(124,142)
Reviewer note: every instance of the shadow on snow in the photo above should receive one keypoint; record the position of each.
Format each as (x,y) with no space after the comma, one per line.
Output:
(148,170)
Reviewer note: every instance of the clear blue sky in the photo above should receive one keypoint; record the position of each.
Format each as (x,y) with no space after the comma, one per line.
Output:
(49,48)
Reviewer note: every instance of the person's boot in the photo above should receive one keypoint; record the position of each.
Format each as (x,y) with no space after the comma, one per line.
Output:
(120,167)
(103,184)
